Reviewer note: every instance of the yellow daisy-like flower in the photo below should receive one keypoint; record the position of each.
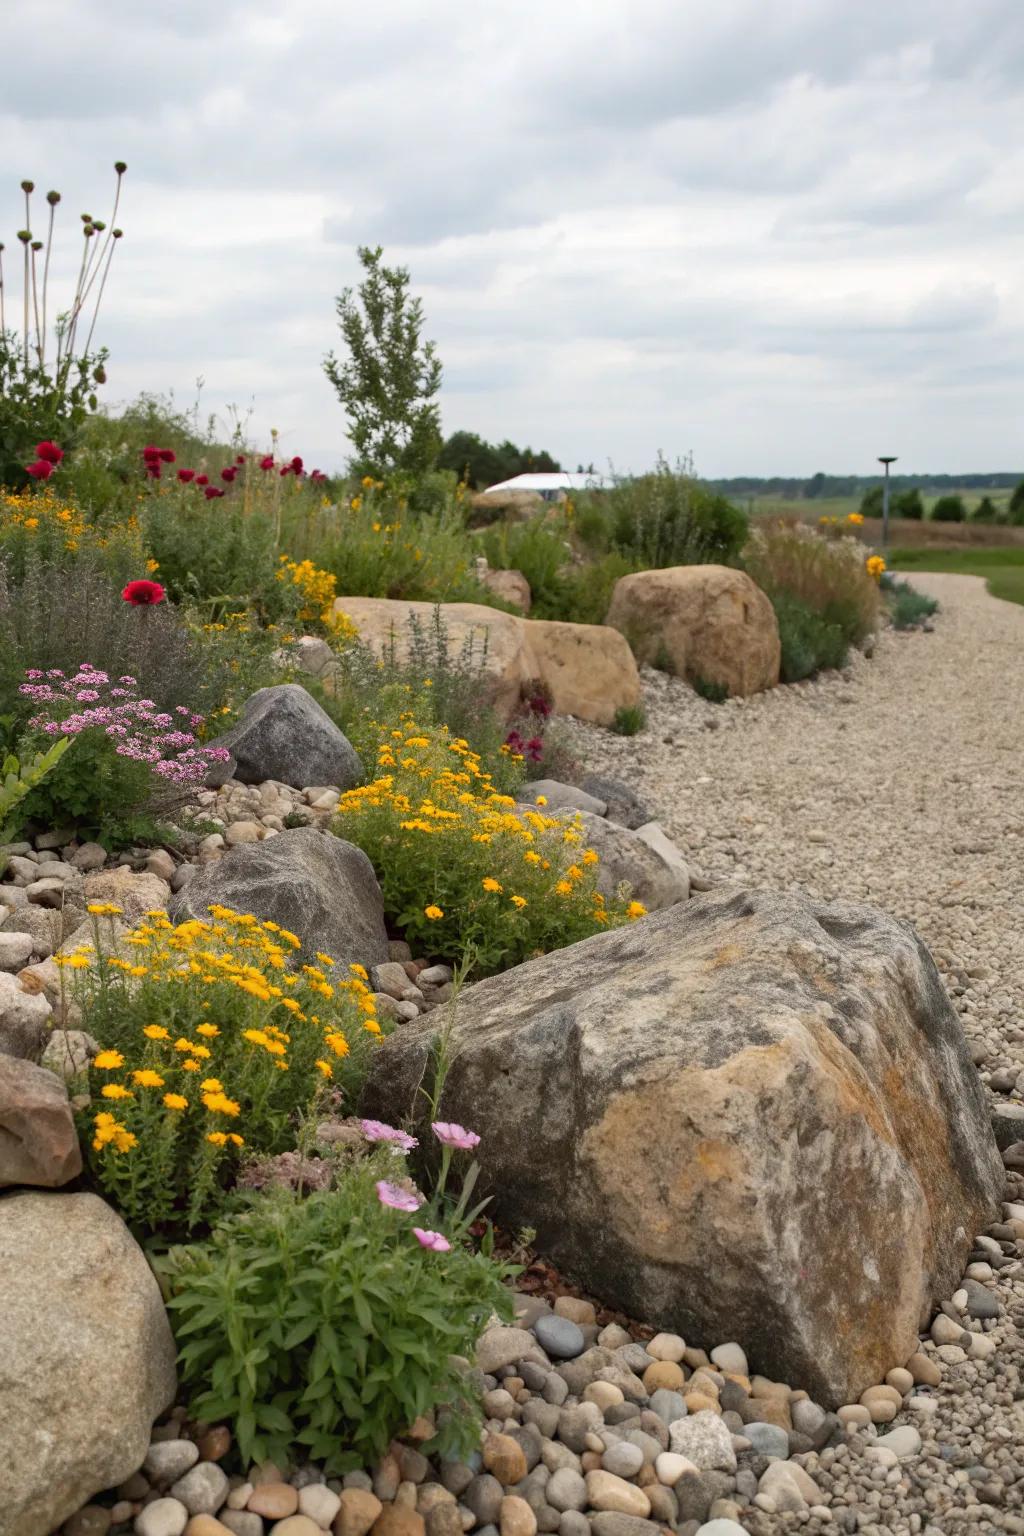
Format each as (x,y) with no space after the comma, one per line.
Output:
(116,1091)
(124,1140)
(590,857)
(209,1030)
(183,1045)
(190,1066)
(564,887)
(490,884)
(211,1085)
(324,1067)
(175,1101)
(220,1104)
(146,1078)
(574,872)
(531,857)
(636,909)
(104,909)
(357,970)
(217,1138)
(156,1032)
(541,800)
(875,566)
(337,1042)
(519,901)
(434,913)
(108,1061)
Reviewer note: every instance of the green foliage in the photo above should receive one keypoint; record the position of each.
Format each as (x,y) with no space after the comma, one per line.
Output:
(826,576)
(98,792)
(378,547)
(714,693)
(321,1323)
(871,501)
(629,720)
(948,509)
(19,779)
(985,511)
(480,464)
(810,642)
(908,504)
(38,403)
(539,548)
(663,519)
(907,607)
(215,553)
(388,381)
(1016,508)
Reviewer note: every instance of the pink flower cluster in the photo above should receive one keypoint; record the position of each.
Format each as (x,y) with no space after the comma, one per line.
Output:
(167,742)
(400,1198)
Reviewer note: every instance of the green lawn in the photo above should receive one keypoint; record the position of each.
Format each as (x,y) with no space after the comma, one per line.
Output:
(1003,569)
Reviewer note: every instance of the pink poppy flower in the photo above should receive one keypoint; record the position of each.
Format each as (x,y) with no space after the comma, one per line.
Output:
(435,1241)
(451,1135)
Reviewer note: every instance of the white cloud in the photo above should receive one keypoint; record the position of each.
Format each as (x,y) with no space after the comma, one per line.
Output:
(775,235)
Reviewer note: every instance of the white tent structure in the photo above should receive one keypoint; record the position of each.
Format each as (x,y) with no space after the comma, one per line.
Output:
(551,485)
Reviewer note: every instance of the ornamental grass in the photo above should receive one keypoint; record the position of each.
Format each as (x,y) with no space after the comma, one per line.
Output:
(465,872)
(825,574)
(214,1043)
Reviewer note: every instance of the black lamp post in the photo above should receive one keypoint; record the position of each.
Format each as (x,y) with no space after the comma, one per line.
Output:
(886,459)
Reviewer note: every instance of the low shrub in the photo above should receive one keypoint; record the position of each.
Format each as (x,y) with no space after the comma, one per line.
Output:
(948,509)
(986,511)
(211,1041)
(17,781)
(47,527)
(629,720)
(907,607)
(827,576)
(665,518)
(332,1322)
(463,873)
(810,643)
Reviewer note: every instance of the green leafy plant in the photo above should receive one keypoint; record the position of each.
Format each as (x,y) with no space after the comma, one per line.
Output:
(714,693)
(332,1323)
(629,720)
(827,576)
(907,607)
(664,518)
(948,509)
(809,642)
(19,779)
(389,379)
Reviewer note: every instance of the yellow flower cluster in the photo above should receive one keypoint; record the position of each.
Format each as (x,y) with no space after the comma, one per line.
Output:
(42,511)
(874,566)
(317,589)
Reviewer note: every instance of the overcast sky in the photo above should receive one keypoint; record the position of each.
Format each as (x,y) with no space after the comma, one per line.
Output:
(785,235)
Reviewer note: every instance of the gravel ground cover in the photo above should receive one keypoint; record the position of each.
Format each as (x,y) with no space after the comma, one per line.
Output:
(898,782)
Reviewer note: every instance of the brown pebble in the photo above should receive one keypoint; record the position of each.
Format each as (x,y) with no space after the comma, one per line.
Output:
(359,1509)
(591,1461)
(294,1525)
(695,1401)
(396,1520)
(429,1495)
(412,1465)
(577,1311)
(774,1410)
(275,1501)
(516,1518)
(121,1512)
(505,1459)
(444,1520)
(206,1525)
(663,1373)
(90,1520)
(924,1370)
(134,1487)
(215,1443)
(423,1428)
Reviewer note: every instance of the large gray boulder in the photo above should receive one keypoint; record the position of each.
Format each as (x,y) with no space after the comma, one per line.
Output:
(319,887)
(38,1140)
(87,1361)
(653,869)
(24,1018)
(285,735)
(752,1117)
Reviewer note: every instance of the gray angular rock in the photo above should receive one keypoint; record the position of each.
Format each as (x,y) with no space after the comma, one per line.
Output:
(38,1141)
(283,734)
(24,1019)
(87,1360)
(561,797)
(622,804)
(627,859)
(322,889)
(806,1082)
(705,1440)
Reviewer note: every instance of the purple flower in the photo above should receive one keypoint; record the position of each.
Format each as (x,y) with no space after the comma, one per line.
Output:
(451,1135)
(435,1241)
(86,695)
(376,1130)
(33,672)
(397,1198)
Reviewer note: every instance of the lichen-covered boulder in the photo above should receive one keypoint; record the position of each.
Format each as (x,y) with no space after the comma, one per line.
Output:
(751,1116)
(283,734)
(87,1361)
(706,623)
(317,886)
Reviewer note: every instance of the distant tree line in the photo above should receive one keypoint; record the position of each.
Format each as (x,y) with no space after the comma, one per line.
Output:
(821,485)
(481,464)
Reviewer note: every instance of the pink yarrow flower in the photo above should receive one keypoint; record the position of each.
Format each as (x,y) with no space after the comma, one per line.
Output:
(397,1198)
(451,1135)
(435,1241)
(376,1130)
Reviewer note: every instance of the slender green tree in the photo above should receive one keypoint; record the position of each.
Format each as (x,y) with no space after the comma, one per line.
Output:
(388,378)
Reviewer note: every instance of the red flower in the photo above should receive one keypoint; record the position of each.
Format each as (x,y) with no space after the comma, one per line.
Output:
(267,461)
(143,594)
(514,741)
(153,469)
(202,479)
(296,465)
(168,455)
(150,453)
(40,469)
(535,749)
(210,491)
(240,459)
(540,706)
(316,475)
(286,469)
(185,475)
(229,473)
(50,452)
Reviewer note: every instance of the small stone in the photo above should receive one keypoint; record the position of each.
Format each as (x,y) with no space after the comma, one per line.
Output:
(609,1522)
(504,1458)
(215,1443)
(666,1346)
(412,1464)
(730,1357)
(516,1518)
(882,1403)
(982,1346)
(614,1336)
(605,1491)
(397,1520)
(670,1467)
(357,1511)
(159,862)
(295,1525)
(900,1378)
(203,1489)
(702,1402)
(206,1525)
(904,1441)
(573,1523)
(768,1440)
(241,1523)
(704,1440)
(604,1393)
(623,1459)
(951,1354)
(90,1520)
(318,1502)
(574,1424)
(164,1517)
(276,1501)
(663,1374)
(945,1331)
(445,1520)
(167,1460)
(981,1303)
(504,1346)
(559,1337)
(669,1406)
(721,1527)
(483,1497)
(924,1370)
(428,1497)
(576,1310)
(566,1490)
(808,1418)
(555,1389)
(121,1512)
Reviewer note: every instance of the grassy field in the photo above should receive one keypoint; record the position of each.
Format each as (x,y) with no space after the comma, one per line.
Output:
(840,506)
(1003,569)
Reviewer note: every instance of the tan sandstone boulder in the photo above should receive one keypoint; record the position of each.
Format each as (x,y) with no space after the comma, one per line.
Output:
(706,623)
(87,1360)
(38,1141)
(751,1116)
(588,668)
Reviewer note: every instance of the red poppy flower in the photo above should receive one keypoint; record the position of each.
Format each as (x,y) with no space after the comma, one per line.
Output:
(210,491)
(240,459)
(286,469)
(316,475)
(540,706)
(202,479)
(153,469)
(296,465)
(150,453)
(267,461)
(185,475)
(535,749)
(229,473)
(50,452)
(143,594)
(39,469)
(168,455)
